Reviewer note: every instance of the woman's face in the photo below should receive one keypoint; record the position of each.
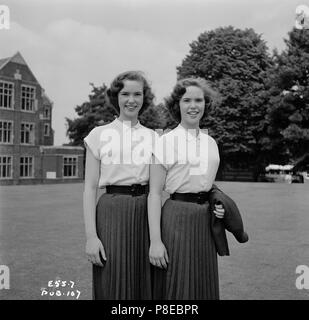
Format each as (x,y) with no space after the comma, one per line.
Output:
(192,106)
(130,99)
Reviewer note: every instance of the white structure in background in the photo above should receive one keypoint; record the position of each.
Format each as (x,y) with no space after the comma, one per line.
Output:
(279,173)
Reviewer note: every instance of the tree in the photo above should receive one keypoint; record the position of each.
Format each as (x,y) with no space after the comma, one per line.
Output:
(96,111)
(235,62)
(150,118)
(166,119)
(288,107)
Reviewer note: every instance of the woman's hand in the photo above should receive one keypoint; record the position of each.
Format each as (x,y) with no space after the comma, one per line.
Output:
(219,211)
(158,255)
(94,248)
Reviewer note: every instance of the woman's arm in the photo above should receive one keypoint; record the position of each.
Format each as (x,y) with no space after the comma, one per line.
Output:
(157,252)
(213,165)
(213,159)
(92,173)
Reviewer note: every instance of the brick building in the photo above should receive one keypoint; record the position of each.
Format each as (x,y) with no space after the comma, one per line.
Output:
(27,154)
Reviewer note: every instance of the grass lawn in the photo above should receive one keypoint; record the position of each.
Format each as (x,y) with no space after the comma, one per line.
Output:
(42,239)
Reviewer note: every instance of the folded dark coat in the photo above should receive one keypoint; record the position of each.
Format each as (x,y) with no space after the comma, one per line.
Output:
(232,221)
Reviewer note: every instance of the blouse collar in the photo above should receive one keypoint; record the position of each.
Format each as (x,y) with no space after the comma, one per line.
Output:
(126,124)
(190,133)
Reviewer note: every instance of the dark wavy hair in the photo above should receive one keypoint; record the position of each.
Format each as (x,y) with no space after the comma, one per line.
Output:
(118,83)
(172,102)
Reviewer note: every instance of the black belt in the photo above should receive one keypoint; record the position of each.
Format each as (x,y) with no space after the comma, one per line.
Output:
(133,190)
(200,197)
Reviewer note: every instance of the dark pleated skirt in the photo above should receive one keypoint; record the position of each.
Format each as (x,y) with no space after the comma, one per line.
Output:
(192,271)
(122,226)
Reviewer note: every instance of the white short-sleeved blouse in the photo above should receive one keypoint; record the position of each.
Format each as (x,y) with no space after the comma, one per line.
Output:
(124,152)
(191,161)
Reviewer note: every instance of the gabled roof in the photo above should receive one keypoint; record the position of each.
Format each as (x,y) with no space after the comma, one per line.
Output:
(16,58)
(3,61)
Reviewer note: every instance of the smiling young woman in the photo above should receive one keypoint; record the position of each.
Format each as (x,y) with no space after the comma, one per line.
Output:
(116,226)
(181,244)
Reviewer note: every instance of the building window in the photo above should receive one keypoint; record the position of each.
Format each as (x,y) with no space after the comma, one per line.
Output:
(70,167)
(46,113)
(6,95)
(26,167)
(5,167)
(27,98)
(6,131)
(27,133)
(46,129)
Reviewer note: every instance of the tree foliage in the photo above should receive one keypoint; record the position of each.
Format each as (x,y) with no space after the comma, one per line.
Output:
(166,119)
(96,111)
(235,62)
(150,118)
(288,106)
(261,113)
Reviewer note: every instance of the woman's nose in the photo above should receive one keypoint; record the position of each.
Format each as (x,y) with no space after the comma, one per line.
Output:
(131,98)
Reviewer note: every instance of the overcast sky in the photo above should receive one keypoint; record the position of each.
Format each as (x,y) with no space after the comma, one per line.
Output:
(70,43)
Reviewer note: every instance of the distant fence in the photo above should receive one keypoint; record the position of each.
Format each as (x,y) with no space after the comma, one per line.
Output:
(233,174)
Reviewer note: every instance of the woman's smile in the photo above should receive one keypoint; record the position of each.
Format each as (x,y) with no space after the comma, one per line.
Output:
(130,99)
(192,106)
(193,113)
(131,107)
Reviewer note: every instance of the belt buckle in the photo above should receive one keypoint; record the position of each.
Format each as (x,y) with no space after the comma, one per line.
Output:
(136,189)
(201,197)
